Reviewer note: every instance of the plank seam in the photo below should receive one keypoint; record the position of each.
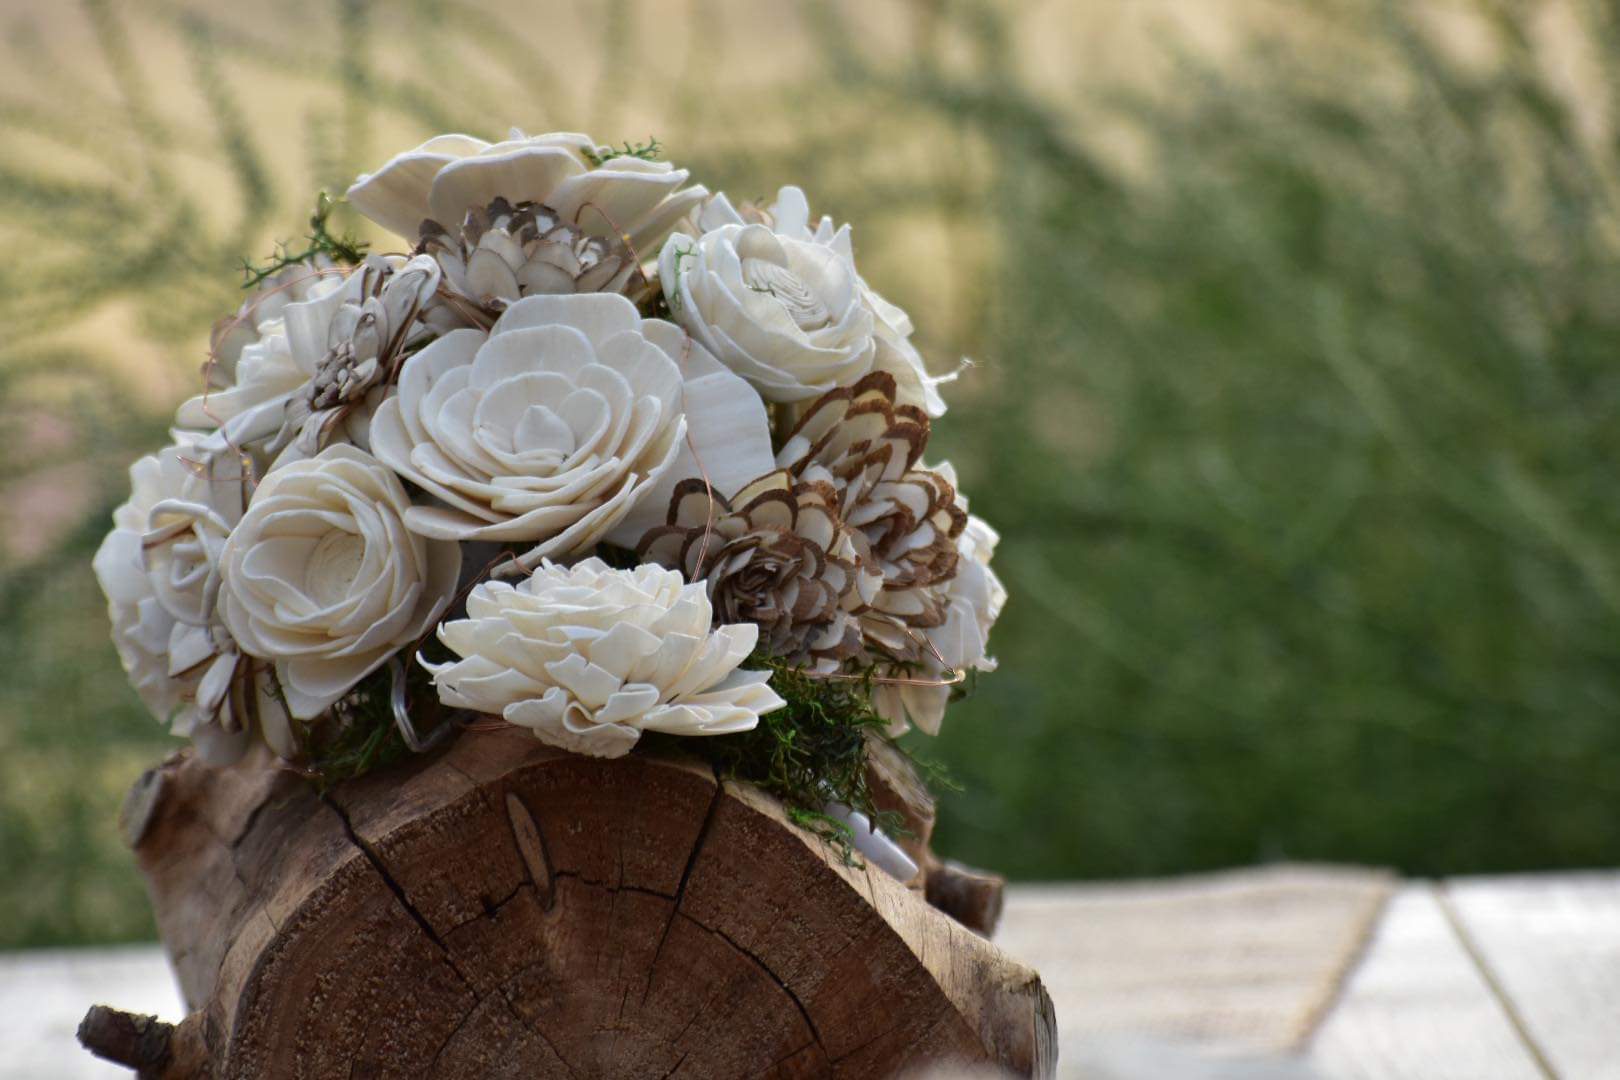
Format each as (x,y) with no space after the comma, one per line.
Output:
(1448,910)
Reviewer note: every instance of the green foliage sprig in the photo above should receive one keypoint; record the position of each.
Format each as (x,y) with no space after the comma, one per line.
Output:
(647,151)
(343,248)
(808,753)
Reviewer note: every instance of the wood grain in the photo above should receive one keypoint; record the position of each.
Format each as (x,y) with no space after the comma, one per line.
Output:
(1551,943)
(508,910)
(1417,1008)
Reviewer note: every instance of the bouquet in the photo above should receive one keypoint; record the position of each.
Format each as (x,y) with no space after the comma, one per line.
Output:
(596,453)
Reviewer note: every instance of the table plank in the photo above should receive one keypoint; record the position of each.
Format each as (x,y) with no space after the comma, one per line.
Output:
(1417,1007)
(1237,963)
(1552,945)
(43,996)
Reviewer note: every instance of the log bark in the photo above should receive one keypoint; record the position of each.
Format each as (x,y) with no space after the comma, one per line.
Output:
(505,909)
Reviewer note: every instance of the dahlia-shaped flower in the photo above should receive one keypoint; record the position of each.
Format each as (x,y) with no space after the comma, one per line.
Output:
(774,554)
(589,657)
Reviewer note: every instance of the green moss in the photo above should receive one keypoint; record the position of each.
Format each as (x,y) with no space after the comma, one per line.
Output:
(647,151)
(808,753)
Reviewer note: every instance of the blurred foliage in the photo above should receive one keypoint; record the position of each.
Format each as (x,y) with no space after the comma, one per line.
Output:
(1293,401)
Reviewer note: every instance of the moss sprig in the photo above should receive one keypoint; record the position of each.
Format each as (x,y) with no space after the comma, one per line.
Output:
(343,248)
(808,753)
(647,151)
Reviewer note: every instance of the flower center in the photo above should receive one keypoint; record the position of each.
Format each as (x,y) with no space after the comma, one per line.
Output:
(333,566)
(803,306)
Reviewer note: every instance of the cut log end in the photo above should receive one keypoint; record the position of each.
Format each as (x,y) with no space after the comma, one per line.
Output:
(509,910)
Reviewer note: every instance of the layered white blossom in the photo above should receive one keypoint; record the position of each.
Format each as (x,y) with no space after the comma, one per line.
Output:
(159,568)
(551,428)
(973,601)
(327,346)
(782,303)
(784,312)
(589,657)
(789,215)
(255,370)
(614,195)
(322,578)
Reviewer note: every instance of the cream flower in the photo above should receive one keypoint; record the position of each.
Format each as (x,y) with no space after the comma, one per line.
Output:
(255,371)
(449,175)
(973,601)
(551,428)
(790,216)
(160,571)
(322,577)
(323,349)
(785,312)
(590,657)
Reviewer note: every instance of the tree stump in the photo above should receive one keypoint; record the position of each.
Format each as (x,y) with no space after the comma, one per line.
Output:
(505,909)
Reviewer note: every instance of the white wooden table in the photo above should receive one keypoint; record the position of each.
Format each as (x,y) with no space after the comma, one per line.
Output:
(1283,972)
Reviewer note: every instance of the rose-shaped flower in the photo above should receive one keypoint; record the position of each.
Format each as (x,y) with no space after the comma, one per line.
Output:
(790,216)
(589,187)
(548,429)
(785,313)
(972,600)
(322,578)
(160,571)
(589,657)
(774,554)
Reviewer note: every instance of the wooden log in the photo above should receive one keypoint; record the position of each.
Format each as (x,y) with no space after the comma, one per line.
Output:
(505,909)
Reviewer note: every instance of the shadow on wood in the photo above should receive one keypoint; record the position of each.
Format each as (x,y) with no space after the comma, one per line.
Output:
(509,910)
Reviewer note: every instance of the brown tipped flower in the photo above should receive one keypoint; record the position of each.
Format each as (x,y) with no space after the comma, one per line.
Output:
(905,518)
(774,554)
(506,252)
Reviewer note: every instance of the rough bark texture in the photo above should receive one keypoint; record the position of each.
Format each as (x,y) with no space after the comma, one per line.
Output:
(507,910)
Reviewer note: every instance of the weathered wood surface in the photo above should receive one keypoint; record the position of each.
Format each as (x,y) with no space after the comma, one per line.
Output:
(508,910)
(1418,1008)
(1415,1005)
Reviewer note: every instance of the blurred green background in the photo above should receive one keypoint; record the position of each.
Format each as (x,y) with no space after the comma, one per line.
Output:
(1294,398)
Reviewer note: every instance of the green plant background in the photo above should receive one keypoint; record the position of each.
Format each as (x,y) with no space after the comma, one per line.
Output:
(1294,394)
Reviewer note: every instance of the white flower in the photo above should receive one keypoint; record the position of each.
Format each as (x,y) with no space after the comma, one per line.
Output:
(973,601)
(790,216)
(785,312)
(590,657)
(789,354)
(160,570)
(255,371)
(322,577)
(552,427)
(447,176)
(348,325)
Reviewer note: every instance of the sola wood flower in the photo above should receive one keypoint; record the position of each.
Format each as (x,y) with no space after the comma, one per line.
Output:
(778,556)
(589,657)
(906,518)
(774,554)
(788,218)
(368,324)
(319,355)
(504,253)
(972,601)
(783,311)
(160,571)
(603,194)
(322,578)
(551,427)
